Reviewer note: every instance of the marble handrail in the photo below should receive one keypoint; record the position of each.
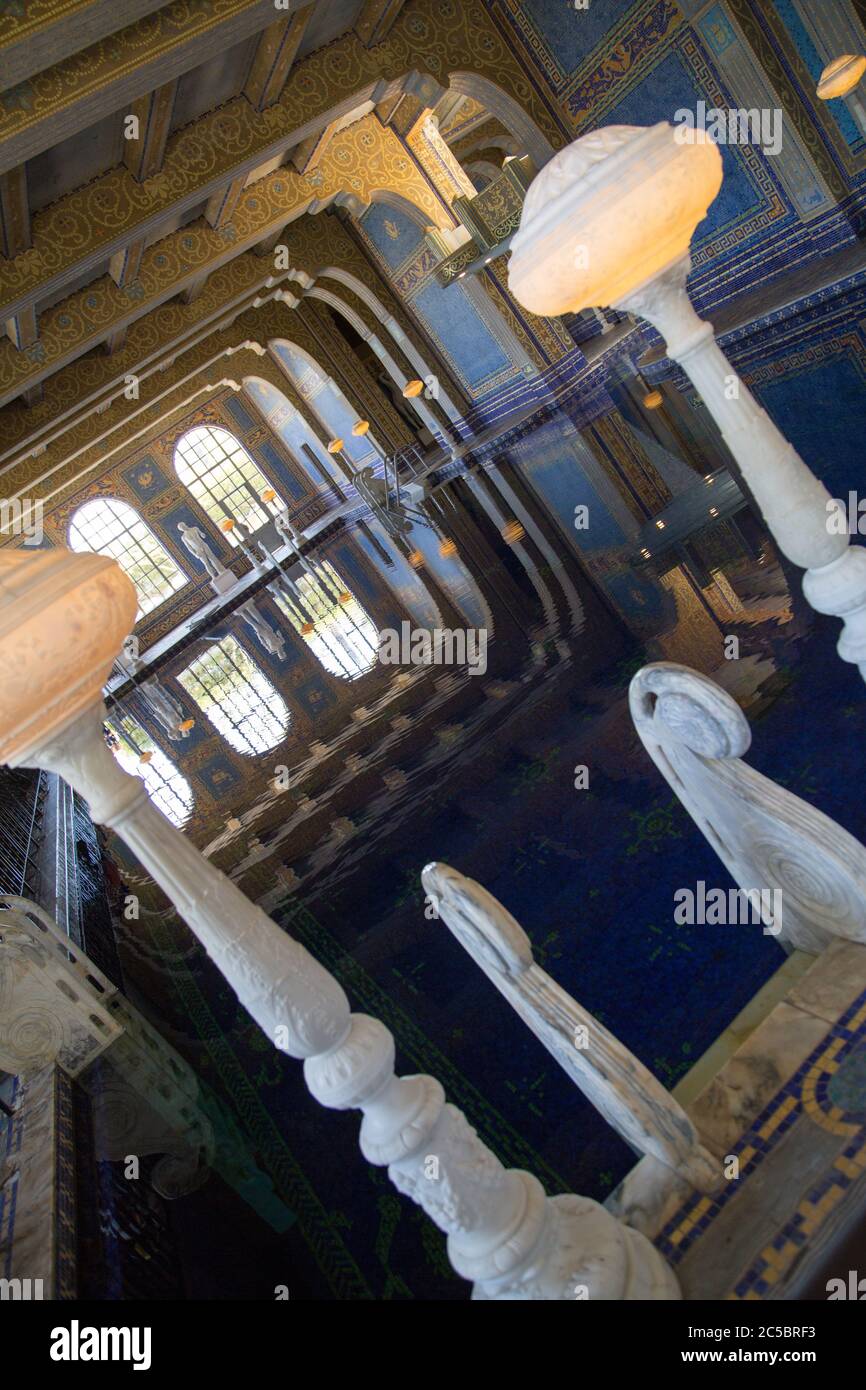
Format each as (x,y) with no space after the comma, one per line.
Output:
(770,841)
(620,1087)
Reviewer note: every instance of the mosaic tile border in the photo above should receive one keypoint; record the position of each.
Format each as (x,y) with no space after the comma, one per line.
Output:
(805,1093)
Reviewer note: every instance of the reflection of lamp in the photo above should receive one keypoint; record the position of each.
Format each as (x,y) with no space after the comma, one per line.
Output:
(840,78)
(512,532)
(653,400)
(227,524)
(609,220)
(307,628)
(145,757)
(268,495)
(413,389)
(416,559)
(360,427)
(186,724)
(447,548)
(335,446)
(344,597)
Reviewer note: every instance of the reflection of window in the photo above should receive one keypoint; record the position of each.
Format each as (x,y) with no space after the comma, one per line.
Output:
(166,787)
(237,697)
(110,527)
(339,633)
(223,478)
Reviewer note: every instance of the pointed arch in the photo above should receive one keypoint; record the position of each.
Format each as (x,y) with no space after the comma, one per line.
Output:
(110,526)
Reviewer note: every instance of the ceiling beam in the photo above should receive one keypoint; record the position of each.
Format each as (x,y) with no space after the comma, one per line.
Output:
(376,20)
(221,205)
(274,57)
(15,231)
(125,264)
(143,154)
(71,236)
(81,321)
(194,289)
(306,156)
(22,330)
(196,166)
(115,342)
(44,34)
(114,72)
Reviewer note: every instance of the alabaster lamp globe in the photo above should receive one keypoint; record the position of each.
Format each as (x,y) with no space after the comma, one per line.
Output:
(53,603)
(841,76)
(609,213)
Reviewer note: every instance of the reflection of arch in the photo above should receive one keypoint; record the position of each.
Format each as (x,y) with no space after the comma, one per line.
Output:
(324,398)
(335,626)
(237,697)
(166,785)
(109,526)
(508,111)
(451,573)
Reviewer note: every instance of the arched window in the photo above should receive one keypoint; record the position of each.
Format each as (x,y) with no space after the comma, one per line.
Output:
(137,753)
(111,527)
(223,478)
(237,697)
(332,621)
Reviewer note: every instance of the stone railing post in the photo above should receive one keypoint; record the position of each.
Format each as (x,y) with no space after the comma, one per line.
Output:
(62,620)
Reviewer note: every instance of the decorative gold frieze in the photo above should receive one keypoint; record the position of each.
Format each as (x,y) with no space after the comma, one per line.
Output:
(436,34)
(364,159)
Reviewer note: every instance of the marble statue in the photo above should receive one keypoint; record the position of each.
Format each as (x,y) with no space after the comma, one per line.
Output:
(165,707)
(193,539)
